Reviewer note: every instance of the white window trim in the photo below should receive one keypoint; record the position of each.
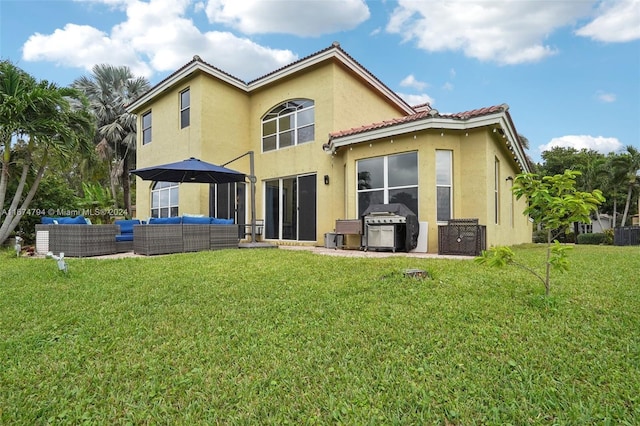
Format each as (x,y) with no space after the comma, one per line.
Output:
(295,128)
(169,206)
(385,188)
(449,185)
(496,193)
(150,127)
(183,108)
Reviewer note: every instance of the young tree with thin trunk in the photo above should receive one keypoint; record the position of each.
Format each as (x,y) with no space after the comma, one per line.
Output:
(555,204)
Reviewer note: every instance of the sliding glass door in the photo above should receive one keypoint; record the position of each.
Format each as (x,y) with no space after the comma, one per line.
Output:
(290,208)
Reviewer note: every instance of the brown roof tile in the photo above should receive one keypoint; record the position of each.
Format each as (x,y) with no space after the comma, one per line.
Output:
(431,113)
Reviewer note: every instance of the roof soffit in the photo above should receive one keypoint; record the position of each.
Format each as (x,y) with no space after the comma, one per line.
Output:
(175,79)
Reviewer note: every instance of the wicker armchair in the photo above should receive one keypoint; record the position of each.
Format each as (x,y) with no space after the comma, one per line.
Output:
(223,237)
(157,239)
(80,240)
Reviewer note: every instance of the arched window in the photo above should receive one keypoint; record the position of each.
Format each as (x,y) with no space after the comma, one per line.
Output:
(288,124)
(164,199)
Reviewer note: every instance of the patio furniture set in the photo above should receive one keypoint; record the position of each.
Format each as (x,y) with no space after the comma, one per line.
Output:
(76,238)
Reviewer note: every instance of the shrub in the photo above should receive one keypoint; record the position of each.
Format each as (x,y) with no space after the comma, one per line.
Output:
(540,236)
(593,239)
(562,237)
(609,237)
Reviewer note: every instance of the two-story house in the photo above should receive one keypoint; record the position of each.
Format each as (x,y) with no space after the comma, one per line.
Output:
(329,140)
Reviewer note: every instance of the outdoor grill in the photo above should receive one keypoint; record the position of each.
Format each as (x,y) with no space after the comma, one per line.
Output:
(390,227)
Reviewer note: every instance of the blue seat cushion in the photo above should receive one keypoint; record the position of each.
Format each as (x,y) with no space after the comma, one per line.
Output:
(124,237)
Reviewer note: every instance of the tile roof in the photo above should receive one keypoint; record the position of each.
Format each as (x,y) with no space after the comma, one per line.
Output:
(430,113)
(424,112)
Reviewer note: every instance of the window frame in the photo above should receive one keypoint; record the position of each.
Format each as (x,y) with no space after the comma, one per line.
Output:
(185,110)
(147,130)
(160,187)
(386,188)
(448,185)
(288,113)
(496,191)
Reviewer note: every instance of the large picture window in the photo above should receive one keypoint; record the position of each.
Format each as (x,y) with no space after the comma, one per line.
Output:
(444,186)
(185,108)
(164,199)
(388,179)
(288,124)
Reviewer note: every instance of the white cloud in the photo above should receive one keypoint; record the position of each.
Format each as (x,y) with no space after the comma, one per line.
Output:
(410,81)
(157,36)
(448,86)
(498,31)
(301,18)
(606,97)
(82,46)
(579,142)
(618,21)
(414,100)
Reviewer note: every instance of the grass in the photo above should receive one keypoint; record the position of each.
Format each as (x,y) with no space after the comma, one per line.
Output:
(282,337)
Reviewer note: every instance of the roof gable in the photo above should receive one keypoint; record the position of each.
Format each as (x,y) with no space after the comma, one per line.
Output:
(331,53)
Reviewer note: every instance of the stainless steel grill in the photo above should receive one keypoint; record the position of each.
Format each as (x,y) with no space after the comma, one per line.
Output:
(389,227)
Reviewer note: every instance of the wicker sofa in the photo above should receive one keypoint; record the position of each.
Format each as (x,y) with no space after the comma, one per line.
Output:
(178,235)
(75,238)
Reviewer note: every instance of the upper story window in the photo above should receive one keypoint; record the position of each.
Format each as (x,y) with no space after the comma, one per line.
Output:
(288,124)
(146,128)
(185,106)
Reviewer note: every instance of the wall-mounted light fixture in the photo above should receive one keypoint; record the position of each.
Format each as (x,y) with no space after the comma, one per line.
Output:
(326,179)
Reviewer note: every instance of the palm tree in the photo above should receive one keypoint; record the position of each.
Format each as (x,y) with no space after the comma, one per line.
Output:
(627,171)
(110,89)
(37,121)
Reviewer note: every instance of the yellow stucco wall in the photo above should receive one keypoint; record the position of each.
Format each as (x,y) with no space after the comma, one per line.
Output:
(170,143)
(473,155)
(226,123)
(341,101)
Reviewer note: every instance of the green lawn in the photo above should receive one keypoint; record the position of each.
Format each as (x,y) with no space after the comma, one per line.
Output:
(277,336)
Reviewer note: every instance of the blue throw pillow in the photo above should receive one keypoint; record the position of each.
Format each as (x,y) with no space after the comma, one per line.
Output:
(165,220)
(78,220)
(217,221)
(196,220)
(126,226)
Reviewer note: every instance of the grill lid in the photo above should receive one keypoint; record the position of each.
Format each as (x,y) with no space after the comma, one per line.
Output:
(389,209)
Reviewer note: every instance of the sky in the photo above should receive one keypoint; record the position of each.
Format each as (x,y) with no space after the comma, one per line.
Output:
(568,69)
